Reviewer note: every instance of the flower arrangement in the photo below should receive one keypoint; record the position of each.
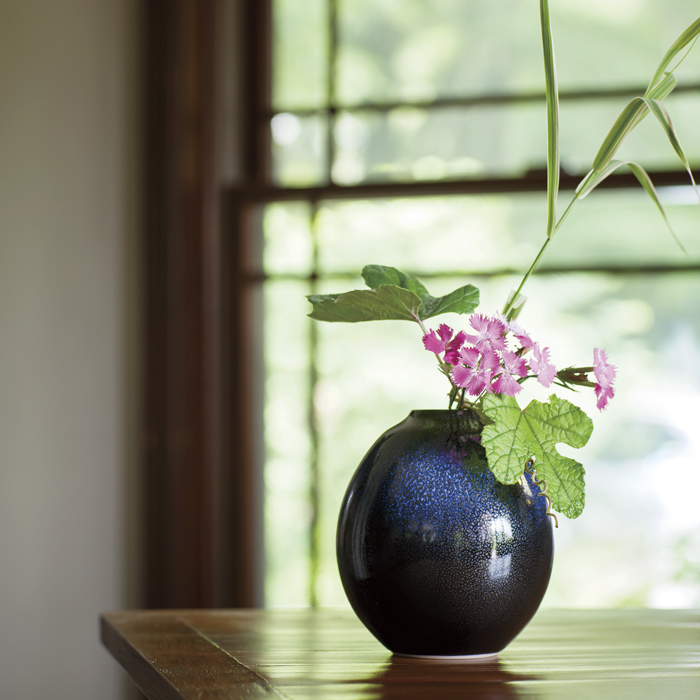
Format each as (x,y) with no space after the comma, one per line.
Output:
(487,364)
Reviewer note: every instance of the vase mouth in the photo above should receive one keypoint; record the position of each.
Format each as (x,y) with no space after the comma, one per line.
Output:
(462,420)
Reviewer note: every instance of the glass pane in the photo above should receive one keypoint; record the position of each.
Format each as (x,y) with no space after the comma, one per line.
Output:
(300,54)
(424,49)
(288,248)
(499,232)
(410,144)
(299,147)
(287,444)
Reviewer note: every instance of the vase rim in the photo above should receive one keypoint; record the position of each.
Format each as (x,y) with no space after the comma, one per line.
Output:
(436,411)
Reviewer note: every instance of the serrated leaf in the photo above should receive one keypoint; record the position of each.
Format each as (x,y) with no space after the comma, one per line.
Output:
(516,436)
(386,303)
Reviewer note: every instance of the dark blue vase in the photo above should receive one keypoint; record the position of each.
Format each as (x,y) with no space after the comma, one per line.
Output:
(436,557)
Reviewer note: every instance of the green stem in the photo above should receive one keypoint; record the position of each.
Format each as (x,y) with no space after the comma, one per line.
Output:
(509,306)
(565,214)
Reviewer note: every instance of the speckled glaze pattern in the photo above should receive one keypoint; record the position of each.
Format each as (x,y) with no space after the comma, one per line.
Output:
(437,558)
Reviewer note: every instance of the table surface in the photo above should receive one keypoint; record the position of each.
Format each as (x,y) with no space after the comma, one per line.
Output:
(327,654)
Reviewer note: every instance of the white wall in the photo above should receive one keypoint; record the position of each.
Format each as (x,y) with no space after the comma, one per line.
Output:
(68,324)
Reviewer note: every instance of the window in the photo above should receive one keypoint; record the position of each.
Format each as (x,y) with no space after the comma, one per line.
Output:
(412,133)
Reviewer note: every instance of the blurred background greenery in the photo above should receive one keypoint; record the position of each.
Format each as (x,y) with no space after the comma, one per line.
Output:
(437,90)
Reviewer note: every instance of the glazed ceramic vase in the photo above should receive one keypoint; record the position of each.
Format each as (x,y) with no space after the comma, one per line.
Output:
(437,558)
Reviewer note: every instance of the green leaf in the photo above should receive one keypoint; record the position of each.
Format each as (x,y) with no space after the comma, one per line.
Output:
(552,96)
(662,89)
(386,303)
(394,295)
(318,298)
(593,179)
(377,275)
(630,116)
(517,436)
(461,301)
(659,110)
(688,36)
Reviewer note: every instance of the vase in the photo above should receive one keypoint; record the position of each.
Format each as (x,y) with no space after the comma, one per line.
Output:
(437,558)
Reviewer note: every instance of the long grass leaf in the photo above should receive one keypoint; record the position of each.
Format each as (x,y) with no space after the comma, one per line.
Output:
(552,94)
(633,113)
(689,35)
(648,185)
(658,109)
(663,88)
(630,116)
(594,178)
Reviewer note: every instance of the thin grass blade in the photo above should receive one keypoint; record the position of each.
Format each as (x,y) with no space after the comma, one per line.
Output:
(630,116)
(688,36)
(552,94)
(648,185)
(594,178)
(664,88)
(657,108)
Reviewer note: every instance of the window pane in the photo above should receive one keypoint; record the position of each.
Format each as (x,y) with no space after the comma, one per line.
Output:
(299,147)
(300,54)
(287,232)
(287,444)
(497,232)
(409,144)
(423,49)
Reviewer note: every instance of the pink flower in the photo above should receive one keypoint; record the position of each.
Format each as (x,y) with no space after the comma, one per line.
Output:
(433,343)
(541,365)
(604,394)
(475,370)
(604,375)
(453,348)
(521,336)
(513,366)
(490,332)
(443,342)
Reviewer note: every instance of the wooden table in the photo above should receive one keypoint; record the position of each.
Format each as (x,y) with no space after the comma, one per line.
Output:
(328,654)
